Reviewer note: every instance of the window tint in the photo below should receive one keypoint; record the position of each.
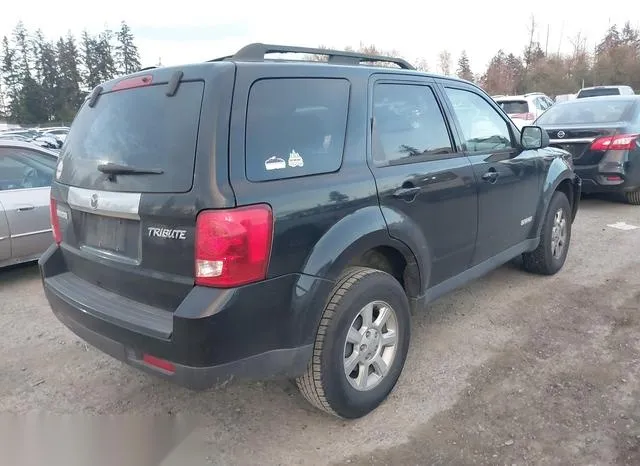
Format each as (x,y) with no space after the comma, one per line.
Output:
(141,128)
(590,111)
(295,127)
(482,127)
(23,169)
(513,107)
(407,123)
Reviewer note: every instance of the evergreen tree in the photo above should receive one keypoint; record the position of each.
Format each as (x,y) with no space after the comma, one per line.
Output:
(464,67)
(68,96)
(105,63)
(90,61)
(127,57)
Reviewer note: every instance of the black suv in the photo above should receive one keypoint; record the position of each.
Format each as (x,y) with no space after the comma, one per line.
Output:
(257,218)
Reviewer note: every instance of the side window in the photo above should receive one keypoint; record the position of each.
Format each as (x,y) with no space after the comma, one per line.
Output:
(295,127)
(20,169)
(407,123)
(482,127)
(540,104)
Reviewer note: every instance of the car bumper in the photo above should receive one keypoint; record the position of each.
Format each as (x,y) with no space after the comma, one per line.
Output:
(599,179)
(213,337)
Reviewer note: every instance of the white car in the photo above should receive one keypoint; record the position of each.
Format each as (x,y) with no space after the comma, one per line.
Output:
(524,109)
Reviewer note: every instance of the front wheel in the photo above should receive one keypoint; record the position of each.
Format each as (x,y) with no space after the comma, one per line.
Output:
(360,346)
(550,255)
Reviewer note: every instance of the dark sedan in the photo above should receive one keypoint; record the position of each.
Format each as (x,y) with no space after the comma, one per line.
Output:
(602,134)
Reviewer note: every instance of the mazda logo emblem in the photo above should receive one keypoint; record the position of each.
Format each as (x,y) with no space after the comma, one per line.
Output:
(94,201)
(561,134)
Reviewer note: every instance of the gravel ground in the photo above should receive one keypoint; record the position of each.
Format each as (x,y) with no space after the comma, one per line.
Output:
(512,369)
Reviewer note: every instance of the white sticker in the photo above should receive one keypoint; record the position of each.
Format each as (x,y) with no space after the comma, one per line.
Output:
(275,163)
(295,160)
(622,226)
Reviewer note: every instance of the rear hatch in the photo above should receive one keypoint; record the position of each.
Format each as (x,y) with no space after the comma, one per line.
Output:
(577,140)
(517,109)
(135,170)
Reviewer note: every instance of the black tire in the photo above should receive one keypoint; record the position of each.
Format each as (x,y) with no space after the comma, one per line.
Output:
(542,260)
(325,384)
(633,197)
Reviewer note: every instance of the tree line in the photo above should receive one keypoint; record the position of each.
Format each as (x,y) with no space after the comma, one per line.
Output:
(45,81)
(614,60)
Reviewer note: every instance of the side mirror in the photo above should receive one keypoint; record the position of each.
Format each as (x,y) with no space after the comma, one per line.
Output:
(533,137)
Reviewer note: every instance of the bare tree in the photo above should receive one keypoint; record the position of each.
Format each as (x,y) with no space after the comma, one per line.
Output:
(444,63)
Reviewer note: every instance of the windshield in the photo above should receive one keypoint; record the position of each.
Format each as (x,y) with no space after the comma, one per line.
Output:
(598,92)
(140,128)
(586,112)
(511,107)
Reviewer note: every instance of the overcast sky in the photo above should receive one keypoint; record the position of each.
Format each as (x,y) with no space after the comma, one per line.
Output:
(190,30)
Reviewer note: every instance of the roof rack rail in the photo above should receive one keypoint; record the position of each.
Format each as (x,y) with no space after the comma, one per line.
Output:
(257,52)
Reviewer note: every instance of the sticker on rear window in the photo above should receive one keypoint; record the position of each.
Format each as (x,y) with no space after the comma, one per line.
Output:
(275,163)
(295,160)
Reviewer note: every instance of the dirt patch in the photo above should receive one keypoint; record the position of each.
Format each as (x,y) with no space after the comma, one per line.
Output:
(566,389)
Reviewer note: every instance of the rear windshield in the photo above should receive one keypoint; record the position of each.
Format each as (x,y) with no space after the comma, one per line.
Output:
(587,112)
(140,128)
(511,107)
(597,92)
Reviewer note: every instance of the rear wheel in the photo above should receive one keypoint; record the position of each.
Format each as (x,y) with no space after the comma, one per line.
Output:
(633,197)
(550,255)
(360,346)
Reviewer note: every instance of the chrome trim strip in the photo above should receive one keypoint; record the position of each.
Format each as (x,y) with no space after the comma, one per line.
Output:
(110,203)
(571,141)
(3,238)
(31,233)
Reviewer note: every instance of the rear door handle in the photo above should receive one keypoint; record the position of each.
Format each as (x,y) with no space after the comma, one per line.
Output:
(491,176)
(25,208)
(407,193)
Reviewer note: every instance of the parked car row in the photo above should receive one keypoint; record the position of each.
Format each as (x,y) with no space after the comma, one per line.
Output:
(50,138)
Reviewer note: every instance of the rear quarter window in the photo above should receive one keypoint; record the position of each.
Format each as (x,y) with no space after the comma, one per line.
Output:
(295,127)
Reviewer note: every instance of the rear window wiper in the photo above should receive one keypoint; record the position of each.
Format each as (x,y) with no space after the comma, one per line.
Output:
(117,169)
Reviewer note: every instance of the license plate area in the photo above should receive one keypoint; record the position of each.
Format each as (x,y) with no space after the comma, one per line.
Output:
(110,235)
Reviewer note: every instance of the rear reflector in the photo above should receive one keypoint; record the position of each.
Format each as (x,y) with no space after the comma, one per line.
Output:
(233,246)
(130,83)
(158,363)
(617,142)
(614,178)
(55,222)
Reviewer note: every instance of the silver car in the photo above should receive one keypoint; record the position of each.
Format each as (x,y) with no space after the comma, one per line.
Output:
(26,172)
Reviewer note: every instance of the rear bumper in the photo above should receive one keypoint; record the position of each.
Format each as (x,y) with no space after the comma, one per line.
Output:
(252,332)
(594,178)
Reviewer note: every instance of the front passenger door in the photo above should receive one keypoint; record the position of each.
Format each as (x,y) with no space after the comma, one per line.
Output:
(25,180)
(508,178)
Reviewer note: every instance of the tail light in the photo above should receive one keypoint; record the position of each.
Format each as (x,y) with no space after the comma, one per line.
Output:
(233,246)
(523,116)
(55,223)
(616,142)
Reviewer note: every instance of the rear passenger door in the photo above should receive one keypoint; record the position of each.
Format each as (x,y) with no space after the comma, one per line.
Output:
(508,178)
(420,173)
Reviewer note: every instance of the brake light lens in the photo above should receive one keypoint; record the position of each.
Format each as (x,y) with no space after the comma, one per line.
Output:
(55,223)
(233,246)
(130,83)
(523,116)
(616,142)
